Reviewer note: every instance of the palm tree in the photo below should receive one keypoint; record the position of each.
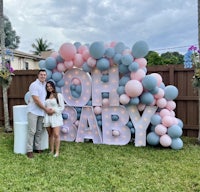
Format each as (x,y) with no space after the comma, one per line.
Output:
(4,86)
(40,46)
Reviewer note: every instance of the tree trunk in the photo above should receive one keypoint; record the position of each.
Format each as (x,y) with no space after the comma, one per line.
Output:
(199,60)
(5,88)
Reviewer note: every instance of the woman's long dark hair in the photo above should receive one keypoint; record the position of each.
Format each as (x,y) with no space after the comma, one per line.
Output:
(54,91)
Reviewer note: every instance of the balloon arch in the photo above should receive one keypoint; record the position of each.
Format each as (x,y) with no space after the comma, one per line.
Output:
(110,98)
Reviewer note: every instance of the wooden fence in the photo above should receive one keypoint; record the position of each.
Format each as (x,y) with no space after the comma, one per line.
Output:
(186,102)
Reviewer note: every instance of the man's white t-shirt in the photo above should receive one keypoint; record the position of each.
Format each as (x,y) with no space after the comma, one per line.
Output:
(38,89)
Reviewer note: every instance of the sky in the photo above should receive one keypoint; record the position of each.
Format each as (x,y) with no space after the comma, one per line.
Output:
(165,25)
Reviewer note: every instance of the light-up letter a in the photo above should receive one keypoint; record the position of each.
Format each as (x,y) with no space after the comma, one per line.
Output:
(115,132)
(88,128)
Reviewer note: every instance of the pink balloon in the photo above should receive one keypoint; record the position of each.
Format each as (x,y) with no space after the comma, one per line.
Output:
(124,99)
(91,62)
(115,133)
(113,43)
(82,48)
(160,94)
(67,51)
(167,121)
(141,107)
(161,103)
(61,67)
(141,61)
(76,81)
(133,88)
(86,55)
(158,78)
(165,140)
(105,102)
(171,105)
(97,110)
(126,52)
(164,112)
(77,123)
(138,75)
(54,54)
(160,129)
(68,64)
(78,60)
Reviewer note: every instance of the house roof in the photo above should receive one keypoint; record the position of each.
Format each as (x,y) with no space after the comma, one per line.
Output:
(25,55)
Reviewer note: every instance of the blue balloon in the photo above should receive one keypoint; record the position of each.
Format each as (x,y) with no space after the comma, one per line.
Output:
(126,59)
(174,131)
(110,52)
(123,69)
(58,89)
(27,97)
(176,144)
(65,116)
(119,47)
(86,67)
(75,94)
(180,123)
(78,89)
(114,117)
(156,119)
(103,64)
(50,63)
(77,45)
(89,103)
(97,50)
(105,95)
(132,130)
(129,124)
(59,59)
(121,90)
(149,82)
(124,80)
(140,49)
(60,83)
(134,66)
(42,64)
(49,74)
(134,101)
(146,98)
(99,117)
(105,78)
(117,59)
(154,90)
(72,87)
(57,76)
(171,92)
(153,139)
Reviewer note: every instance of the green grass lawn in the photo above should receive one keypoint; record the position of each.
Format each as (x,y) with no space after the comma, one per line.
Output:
(101,168)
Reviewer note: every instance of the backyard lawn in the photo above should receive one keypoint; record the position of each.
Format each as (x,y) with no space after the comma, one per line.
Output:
(89,167)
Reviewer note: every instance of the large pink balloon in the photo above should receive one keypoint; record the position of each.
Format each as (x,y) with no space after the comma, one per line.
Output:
(141,61)
(124,99)
(91,62)
(78,60)
(158,78)
(161,103)
(160,129)
(67,51)
(171,105)
(167,121)
(160,94)
(82,48)
(138,75)
(133,88)
(86,55)
(165,112)
(165,140)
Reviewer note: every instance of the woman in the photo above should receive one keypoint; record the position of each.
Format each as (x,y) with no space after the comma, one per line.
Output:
(53,122)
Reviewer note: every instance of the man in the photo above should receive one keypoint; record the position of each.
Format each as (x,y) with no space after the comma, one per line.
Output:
(36,111)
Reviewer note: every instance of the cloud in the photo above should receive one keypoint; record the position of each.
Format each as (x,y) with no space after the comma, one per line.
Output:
(162,24)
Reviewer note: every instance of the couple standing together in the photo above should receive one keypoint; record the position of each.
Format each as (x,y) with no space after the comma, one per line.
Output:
(44,110)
